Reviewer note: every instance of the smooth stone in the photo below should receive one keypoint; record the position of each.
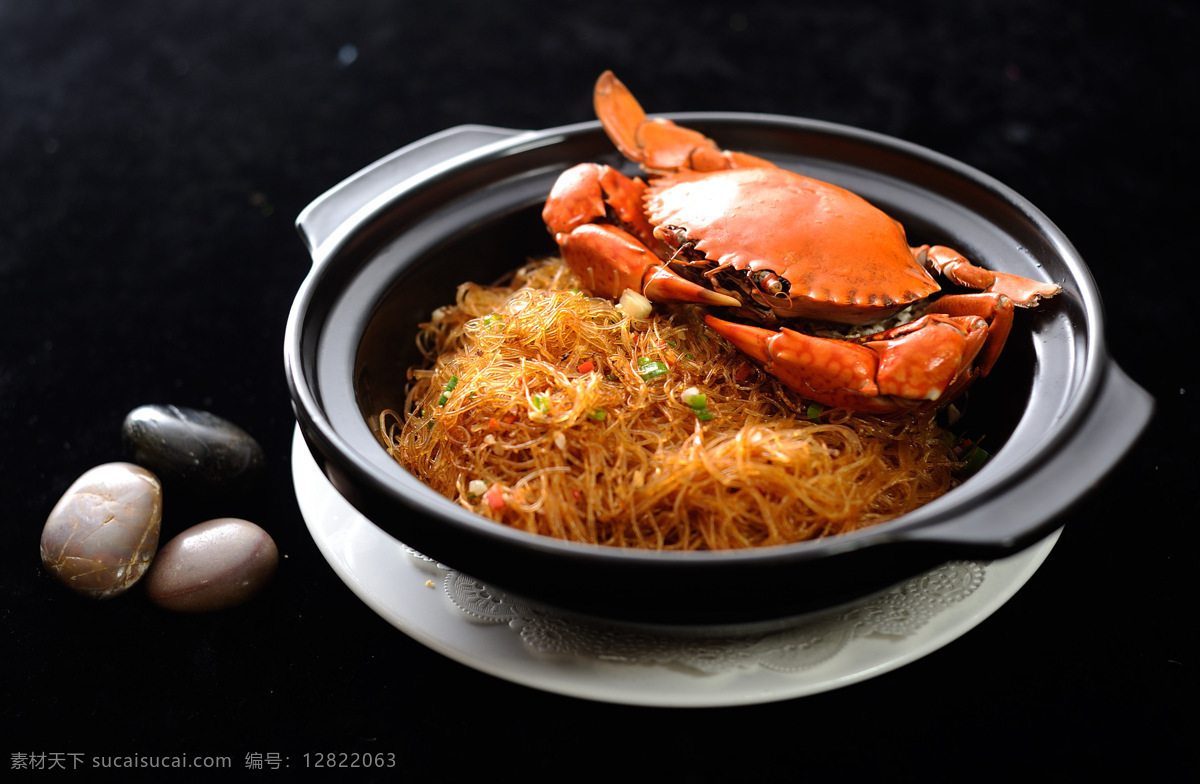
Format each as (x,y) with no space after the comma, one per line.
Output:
(216,564)
(192,448)
(102,534)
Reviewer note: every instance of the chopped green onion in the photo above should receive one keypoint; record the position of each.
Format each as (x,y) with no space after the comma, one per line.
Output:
(814,411)
(651,369)
(450,385)
(698,402)
(599,414)
(973,460)
(541,403)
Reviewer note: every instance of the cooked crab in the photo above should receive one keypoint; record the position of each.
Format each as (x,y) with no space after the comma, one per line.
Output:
(795,255)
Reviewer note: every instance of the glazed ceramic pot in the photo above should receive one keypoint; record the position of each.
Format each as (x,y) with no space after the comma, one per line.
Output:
(392,243)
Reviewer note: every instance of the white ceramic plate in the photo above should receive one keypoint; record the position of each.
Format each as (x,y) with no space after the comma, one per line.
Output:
(481,628)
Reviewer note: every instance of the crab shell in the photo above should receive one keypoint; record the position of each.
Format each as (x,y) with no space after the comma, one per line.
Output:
(843,260)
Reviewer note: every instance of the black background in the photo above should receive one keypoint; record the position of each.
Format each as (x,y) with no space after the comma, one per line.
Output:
(153,158)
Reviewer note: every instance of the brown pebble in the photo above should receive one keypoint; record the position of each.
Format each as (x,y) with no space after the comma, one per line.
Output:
(102,534)
(211,566)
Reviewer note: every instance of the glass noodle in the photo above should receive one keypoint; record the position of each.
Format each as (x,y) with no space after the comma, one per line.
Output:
(554,412)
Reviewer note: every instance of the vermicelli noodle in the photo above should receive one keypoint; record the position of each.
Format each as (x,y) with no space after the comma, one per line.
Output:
(554,412)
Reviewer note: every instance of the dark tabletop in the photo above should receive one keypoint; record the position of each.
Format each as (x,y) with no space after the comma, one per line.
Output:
(153,159)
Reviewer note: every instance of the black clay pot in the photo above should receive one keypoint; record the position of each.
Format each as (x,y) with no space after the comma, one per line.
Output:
(392,242)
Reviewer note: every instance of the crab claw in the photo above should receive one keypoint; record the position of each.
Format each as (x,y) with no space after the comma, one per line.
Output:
(590,192)
(920,360)
(609,260)
(596,216)
(821,370)
(913,366)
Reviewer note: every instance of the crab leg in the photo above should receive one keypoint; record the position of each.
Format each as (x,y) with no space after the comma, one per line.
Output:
(1024,292)
(659,145)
